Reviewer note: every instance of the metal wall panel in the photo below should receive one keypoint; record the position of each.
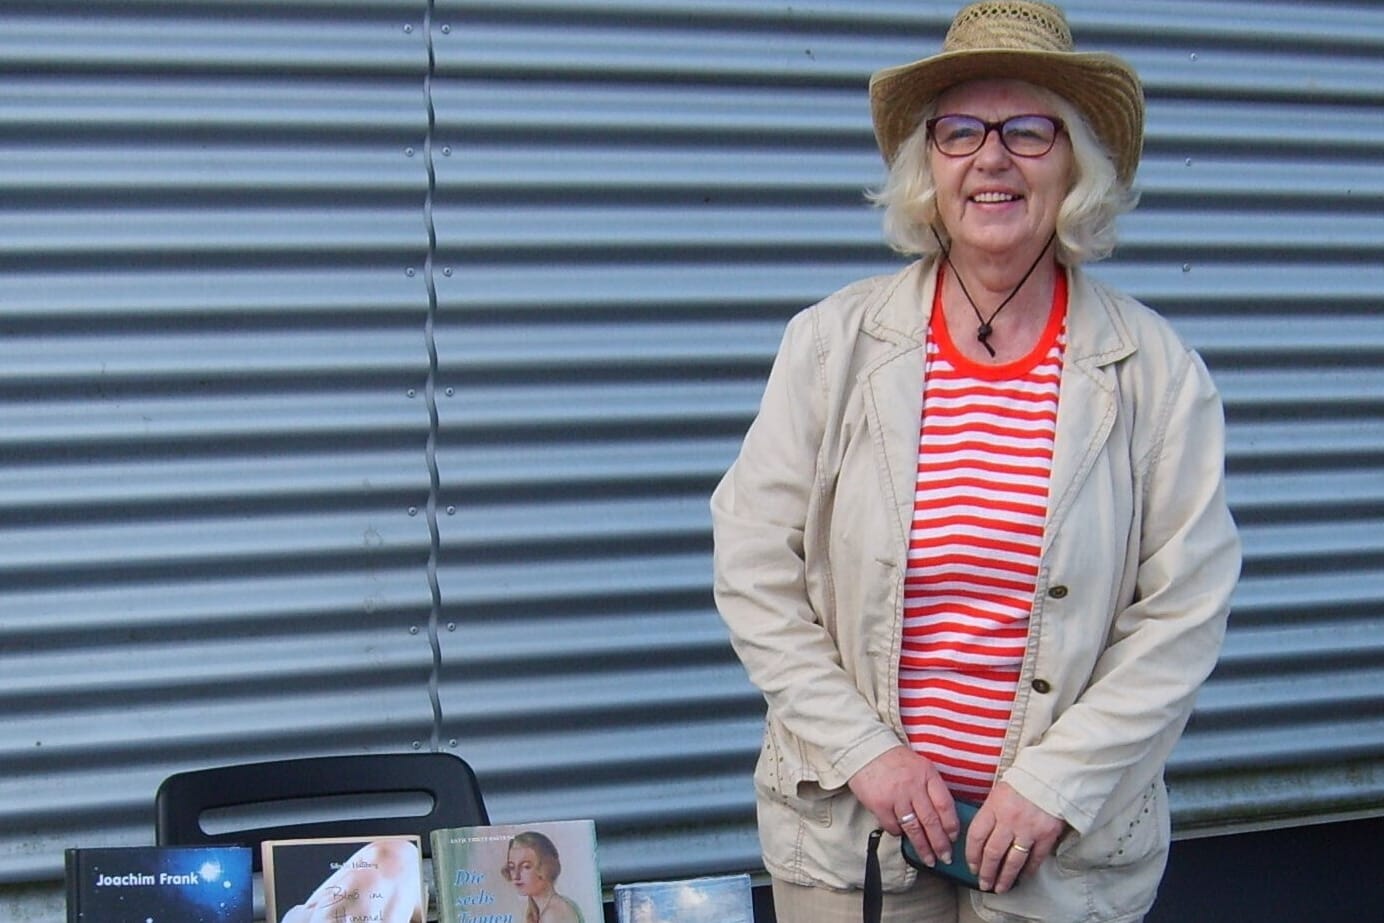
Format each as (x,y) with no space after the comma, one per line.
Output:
(365,368)
(211,320)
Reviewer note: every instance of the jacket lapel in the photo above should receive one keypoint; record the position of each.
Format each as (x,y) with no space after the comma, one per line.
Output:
(892,384)
(1089,397)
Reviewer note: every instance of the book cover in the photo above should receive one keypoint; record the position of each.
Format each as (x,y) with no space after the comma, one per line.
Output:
(544,872)
(159,884)
(713,899)
(344,880)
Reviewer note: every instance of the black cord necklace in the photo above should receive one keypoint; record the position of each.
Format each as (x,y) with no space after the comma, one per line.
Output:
(985,329)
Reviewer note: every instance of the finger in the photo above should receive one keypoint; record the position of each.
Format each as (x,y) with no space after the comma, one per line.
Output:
(1041,851)
(891,820)
(982,825)
(937,837)
(1011,864)
(912,827)
(992,859)
(945,805)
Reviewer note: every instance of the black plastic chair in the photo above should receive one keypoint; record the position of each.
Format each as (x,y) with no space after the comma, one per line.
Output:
(359,795)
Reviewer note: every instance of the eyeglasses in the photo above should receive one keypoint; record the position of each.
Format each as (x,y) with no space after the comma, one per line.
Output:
(1021,135)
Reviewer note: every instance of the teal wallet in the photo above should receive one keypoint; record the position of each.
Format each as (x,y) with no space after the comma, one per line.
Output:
(956,869)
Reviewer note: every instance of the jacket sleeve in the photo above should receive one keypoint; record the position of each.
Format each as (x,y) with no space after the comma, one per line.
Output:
(1163,644)
(760,515)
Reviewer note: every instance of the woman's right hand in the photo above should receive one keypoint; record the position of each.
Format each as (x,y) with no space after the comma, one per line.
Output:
(907,796)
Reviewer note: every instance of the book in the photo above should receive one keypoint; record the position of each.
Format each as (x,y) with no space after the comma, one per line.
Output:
(344,880)
(518,873)
(712,899)
(136,884)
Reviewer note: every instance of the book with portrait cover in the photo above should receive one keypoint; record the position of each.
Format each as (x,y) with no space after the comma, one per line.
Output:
(712,899)
(359,879)
(162,884)
(513,873)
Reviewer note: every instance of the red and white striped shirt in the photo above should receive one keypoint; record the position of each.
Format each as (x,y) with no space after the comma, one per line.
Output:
(984,461)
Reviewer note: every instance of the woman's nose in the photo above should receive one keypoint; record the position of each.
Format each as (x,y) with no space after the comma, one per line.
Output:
(992,150)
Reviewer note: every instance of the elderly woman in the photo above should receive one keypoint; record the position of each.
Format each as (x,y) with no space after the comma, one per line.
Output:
(976,545)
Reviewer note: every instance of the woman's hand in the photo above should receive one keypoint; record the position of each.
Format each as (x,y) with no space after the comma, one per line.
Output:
(906,795)
(1009,835)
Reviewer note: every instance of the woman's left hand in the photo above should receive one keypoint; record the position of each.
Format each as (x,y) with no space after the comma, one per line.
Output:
(1010,835)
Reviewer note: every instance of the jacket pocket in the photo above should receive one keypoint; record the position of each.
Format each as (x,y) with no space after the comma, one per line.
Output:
(781,775)
(1132,836)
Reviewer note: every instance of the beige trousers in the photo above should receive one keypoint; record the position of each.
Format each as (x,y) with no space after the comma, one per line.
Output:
(931,900)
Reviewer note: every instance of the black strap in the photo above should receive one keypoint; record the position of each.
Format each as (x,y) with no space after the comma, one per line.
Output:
(985,329)
(873,901)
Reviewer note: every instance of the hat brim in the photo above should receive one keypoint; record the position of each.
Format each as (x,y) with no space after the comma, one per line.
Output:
(1101,86)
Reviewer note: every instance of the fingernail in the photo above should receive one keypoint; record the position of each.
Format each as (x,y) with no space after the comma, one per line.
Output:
(929,861)
(946,858)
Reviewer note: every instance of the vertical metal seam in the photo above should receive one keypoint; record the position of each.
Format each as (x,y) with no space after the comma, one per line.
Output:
(430,390)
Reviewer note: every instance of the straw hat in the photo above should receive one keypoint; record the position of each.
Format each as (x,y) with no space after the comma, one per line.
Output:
(1025,40)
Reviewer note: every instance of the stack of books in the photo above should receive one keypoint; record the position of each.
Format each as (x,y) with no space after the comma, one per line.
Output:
(543,872)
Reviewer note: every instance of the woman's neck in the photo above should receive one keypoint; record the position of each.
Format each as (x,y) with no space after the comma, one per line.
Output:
(997,273)
(975,285)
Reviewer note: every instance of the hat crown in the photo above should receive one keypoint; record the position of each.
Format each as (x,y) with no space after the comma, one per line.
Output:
(1009,25)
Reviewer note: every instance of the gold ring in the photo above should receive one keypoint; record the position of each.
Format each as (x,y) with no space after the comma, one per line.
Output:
(1016,846)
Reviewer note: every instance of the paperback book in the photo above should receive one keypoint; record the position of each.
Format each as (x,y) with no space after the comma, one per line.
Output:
(518,873)
(159,884)
(344,880)
(713,899)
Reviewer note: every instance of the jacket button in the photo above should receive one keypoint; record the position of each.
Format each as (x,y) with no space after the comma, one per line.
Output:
(1042,686)
(1057,592)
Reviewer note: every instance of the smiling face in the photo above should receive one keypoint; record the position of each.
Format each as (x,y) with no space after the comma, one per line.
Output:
(993,203)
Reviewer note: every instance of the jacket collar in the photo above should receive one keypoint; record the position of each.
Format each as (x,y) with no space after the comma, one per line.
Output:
(1096,336)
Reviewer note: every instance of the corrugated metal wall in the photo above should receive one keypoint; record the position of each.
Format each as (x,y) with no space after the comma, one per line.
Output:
(365,368)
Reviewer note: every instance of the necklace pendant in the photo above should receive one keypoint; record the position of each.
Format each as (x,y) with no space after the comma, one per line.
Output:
(983,334)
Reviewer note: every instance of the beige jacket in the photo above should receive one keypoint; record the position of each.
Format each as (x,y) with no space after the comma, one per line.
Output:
(1139,559)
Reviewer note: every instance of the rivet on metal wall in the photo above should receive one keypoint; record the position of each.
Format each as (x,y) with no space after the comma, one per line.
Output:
(447,271)
(1188,161)
(452,742)
(1186,267)
(417,745)
(413,511)
(412,393)
(1192,56)
(409,271)
(447,151)
(451,626)
(446,30)
(408,27)
(413,629)
(451,511)
(451,391)
(408,152)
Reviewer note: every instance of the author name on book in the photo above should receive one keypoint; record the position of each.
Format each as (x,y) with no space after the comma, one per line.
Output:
(142,880)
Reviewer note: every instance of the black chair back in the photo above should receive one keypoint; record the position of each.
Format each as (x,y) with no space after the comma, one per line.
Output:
(321,796)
